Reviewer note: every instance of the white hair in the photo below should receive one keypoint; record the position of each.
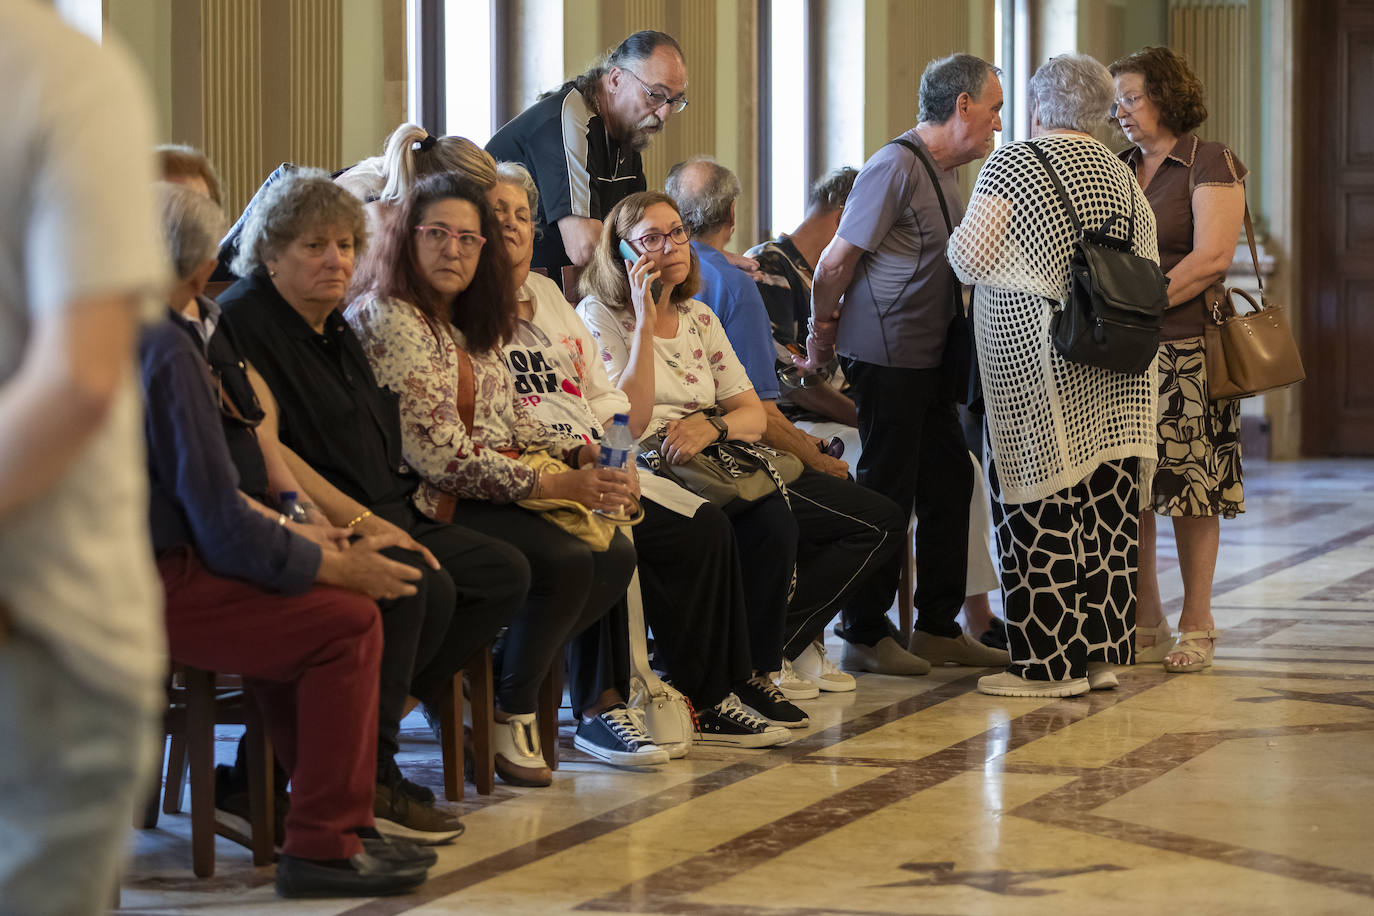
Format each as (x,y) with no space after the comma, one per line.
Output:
(192,225)
(1071,92)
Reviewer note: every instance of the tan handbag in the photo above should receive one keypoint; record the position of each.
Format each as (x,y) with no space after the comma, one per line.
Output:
(1252,353)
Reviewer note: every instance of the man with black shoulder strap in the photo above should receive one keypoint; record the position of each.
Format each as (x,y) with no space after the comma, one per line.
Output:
(885,298)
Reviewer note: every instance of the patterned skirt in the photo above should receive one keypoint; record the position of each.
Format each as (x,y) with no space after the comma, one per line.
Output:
(1199,439)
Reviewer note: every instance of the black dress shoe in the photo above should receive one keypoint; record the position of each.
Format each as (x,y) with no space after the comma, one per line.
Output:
(363,875)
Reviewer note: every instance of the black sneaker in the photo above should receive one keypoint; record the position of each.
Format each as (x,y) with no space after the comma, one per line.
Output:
(399,816)
(760,696)
(234,812)
(617,737)
(730,724)
(402,852)
(363,875)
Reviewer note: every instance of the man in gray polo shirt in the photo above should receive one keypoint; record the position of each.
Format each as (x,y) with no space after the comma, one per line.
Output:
(884,298)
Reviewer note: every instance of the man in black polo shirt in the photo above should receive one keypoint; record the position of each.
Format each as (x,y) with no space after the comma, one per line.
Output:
(581,142)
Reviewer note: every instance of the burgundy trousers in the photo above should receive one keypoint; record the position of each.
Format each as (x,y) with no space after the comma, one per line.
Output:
(312,662)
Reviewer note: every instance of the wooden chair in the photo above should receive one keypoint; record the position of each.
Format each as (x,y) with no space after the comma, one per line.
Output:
(906,586)
(214,288)
(550,701)
(479,679)
(198,699)
(571,274)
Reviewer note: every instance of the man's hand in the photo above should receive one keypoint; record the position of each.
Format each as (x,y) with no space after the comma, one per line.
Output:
(820,461)
(374,527)
(363,568)
(748,265)
(820,345)
(326,535)
(685,438)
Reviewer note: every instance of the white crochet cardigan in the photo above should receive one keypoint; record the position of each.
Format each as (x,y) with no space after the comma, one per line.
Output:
(1050,422)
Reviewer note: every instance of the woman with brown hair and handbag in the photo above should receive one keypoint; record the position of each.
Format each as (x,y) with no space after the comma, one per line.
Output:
(669,354)
(1196,189)
(432,308)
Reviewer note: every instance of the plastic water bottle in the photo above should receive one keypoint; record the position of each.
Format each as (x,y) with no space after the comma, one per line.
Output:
(291,507)
(618,445)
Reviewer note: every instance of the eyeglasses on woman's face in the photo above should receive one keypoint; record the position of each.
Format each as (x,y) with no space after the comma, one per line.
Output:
(437,238)
(654,241)
(1126,103)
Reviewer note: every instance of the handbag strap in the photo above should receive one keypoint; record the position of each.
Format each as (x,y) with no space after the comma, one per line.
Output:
(1067,201)
(1254,255)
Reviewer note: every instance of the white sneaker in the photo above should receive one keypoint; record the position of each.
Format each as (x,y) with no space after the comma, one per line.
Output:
(793,685)
(815,666)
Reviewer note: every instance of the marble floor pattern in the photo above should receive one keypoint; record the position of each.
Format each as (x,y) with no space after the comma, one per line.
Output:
(1248,788)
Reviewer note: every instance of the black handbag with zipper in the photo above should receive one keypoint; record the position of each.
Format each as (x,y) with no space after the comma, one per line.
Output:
(1115,304)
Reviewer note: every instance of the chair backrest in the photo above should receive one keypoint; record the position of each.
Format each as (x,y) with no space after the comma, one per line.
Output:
(215,287)
(571,274)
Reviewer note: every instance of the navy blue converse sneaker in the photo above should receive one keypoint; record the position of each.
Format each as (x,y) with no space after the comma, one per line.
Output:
(618,737)
(730,724)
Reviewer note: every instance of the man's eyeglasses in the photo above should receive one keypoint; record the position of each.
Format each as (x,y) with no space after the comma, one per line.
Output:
(437,237)
(658,99)
(1127,103)
(655,241)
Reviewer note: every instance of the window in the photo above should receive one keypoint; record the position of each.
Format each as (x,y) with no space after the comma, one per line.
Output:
(468,69)
(788,130)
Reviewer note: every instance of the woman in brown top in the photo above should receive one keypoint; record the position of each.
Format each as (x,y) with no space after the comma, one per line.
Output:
(1196,189)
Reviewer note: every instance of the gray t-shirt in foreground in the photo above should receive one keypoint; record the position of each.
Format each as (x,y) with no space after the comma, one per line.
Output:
(898,307)
(78,218)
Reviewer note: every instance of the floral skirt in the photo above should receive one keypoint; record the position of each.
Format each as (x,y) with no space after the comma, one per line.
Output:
(1199,439)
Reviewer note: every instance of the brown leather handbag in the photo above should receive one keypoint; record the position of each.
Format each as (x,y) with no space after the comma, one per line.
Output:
(1252,353)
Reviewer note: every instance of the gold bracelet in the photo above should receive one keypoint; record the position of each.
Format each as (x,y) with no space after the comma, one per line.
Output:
(366,514)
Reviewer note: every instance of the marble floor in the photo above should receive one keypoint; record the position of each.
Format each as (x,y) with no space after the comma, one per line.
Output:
(1248,788)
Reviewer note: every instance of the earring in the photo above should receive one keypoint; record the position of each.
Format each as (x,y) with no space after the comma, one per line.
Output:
(271,273)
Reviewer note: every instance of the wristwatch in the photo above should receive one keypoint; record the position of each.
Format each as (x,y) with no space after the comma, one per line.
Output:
(722,431)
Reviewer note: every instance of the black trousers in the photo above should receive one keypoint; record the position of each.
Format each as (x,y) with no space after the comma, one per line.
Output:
(766,539)
(571,587)
(914,454)
(846,535)
(430,635)
(694,600)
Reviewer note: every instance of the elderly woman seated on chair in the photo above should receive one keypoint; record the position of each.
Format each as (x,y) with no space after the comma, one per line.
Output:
(283,604)
(433,307)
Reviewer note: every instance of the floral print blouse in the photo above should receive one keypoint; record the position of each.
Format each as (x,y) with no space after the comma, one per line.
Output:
(693,369)
(421,365)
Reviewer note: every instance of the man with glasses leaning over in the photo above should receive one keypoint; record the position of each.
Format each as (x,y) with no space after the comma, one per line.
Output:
(582,141)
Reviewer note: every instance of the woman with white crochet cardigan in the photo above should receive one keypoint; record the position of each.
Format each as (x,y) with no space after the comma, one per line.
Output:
(1070,445)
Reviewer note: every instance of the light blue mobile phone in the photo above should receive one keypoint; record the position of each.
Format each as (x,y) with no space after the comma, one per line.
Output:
(655,288)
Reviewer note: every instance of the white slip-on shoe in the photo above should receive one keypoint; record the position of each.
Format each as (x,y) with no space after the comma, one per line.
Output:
(1007,684)
(815,666)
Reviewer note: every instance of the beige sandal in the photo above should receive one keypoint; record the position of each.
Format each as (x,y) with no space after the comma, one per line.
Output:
(1159,649)
(1196,647)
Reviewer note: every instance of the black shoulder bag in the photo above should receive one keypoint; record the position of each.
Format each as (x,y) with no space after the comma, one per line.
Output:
(1116,299)
(958,365)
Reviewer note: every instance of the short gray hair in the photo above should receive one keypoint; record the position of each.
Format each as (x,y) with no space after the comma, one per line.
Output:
(516,174)
(291,206)
(192,225)
(1071,92)
(704,204)
(946,79)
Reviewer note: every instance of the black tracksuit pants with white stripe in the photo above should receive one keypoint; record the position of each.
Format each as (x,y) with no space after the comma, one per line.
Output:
(845,533)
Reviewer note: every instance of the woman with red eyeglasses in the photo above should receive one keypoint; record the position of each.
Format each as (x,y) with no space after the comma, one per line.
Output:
(434,310)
